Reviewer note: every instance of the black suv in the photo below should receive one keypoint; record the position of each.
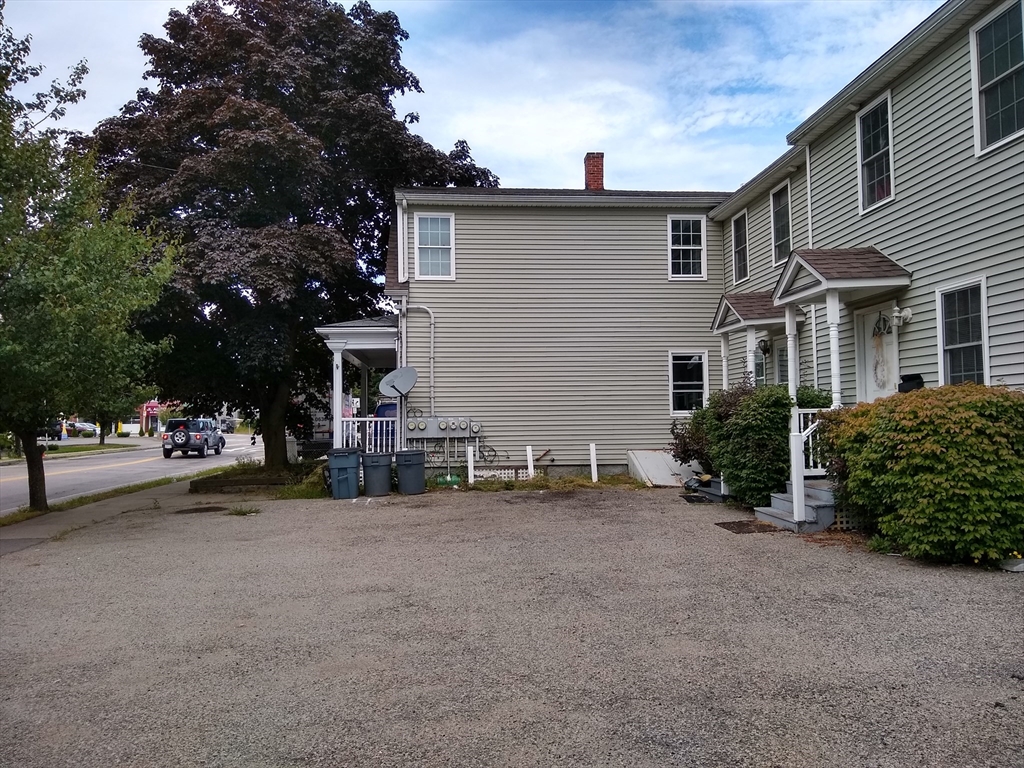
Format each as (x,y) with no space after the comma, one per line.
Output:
(199,435)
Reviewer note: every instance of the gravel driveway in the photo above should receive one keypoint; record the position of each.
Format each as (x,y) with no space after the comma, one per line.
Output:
(595,628)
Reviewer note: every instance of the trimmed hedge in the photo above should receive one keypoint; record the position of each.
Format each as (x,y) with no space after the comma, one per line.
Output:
(939,473)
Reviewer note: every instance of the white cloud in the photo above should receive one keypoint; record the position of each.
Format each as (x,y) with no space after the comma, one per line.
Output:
(679,95)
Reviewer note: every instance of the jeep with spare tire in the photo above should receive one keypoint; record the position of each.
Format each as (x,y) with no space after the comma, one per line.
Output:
(192,435)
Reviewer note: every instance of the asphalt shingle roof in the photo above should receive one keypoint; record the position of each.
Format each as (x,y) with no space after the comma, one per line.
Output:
(850,263)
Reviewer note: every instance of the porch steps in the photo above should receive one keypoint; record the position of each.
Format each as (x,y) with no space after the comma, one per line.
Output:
(713,490)
(819,507)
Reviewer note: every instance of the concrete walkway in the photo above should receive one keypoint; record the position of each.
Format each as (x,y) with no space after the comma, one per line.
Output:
(171,497)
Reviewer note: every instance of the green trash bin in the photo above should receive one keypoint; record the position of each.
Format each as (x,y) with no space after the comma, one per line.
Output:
(412,471)
(343,466)
(377,474)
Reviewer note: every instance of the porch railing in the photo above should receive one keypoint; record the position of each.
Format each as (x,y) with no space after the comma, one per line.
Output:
(373,435)
(807,424)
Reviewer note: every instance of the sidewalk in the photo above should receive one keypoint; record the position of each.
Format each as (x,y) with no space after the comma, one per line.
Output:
(121,445)
(170,497)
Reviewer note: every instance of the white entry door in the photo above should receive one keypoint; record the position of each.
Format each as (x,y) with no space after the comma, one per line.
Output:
(877,355)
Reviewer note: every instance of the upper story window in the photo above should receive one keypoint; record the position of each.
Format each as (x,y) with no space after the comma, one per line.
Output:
(962,333)
(740,271)
(997,68)
(782,242)
(687,249)
(874,152)
(435,246)
(688,377)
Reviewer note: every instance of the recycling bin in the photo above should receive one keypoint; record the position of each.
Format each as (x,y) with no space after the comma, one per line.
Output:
(343,466)
(377,474)
(412,471)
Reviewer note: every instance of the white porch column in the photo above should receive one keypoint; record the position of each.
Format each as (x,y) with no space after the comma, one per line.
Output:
(751,349)
(338,396)
(793,350)
(832,315)
(725,361)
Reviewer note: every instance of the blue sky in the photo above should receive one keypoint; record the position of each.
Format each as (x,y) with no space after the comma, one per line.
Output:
(680,94)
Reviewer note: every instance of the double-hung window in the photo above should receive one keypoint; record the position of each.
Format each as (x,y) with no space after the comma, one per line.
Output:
(687,249)
(688,377)
(782,243)
(997,68)
(874,152)
(962,323)
(435,246)
(740,270)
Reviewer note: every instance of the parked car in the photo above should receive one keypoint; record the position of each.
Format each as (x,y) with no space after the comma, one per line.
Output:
(51,431)
(198,435)
(82,426)
(227,426)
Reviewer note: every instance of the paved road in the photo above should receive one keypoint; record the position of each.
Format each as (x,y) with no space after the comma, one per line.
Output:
(72,476)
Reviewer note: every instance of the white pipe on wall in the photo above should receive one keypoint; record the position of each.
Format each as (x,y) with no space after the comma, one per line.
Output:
(431,313)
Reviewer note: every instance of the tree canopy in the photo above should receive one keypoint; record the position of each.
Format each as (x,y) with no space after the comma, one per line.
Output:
(269,150)
(71,274)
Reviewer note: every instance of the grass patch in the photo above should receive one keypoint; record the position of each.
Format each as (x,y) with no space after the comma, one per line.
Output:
(311,486)
(67,532)
(243,510)
(566,483)
(27,514)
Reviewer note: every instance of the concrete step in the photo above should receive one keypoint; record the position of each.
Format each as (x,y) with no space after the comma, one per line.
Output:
(813,508)
(815,490)
(824,517)
(714,490)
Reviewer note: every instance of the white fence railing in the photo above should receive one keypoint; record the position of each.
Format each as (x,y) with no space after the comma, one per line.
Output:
(807,423)
(373,435)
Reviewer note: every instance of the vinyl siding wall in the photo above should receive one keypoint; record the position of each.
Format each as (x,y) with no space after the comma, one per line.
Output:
(954,216)
(557,331)
(764,275)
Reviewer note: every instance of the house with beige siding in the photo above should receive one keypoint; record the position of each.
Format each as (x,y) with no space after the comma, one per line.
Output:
(884,248)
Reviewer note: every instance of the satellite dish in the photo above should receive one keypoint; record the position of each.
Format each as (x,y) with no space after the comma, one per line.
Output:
(399,382)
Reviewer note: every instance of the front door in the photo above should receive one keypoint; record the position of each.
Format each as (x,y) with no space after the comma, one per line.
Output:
(877,356)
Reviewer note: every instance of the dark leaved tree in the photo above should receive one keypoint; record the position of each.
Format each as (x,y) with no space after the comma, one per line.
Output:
(269,152)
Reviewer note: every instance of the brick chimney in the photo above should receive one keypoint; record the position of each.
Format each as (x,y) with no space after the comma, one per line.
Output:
(593,170)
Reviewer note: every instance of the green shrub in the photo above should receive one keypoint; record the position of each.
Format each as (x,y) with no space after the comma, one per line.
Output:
(72,432)
(809,397)
(939,473)
(751,444)
(150,432)
(87,433)
(691,441)
(124,434)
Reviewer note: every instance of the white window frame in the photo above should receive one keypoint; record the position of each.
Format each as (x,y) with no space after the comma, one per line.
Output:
(732,248)
(979,135)
(703,246)
(771,217)
(706,357)
(967,282)
(886,97)
(416,243)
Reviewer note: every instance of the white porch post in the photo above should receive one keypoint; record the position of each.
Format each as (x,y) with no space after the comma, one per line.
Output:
(725,361)
(832,314)
(364,400)
(751,349)
(338,396)
(793,350)
(796,438)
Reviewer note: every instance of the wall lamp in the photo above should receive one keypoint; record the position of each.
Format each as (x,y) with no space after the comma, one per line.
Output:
(764,347)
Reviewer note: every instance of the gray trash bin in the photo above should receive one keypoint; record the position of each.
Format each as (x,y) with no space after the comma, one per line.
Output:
(343,466)
(377,474)
(412,471)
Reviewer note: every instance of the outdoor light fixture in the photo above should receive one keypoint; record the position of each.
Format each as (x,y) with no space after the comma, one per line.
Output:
(764,347)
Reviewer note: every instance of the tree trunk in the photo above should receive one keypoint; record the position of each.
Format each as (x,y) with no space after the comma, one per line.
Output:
(36,477)
(272,423)
(103,425)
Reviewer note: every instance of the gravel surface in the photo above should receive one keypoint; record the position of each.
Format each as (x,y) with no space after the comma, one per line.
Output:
(595,628)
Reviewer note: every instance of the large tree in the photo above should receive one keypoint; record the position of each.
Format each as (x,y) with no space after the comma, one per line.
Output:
(71,273)
(270,151)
